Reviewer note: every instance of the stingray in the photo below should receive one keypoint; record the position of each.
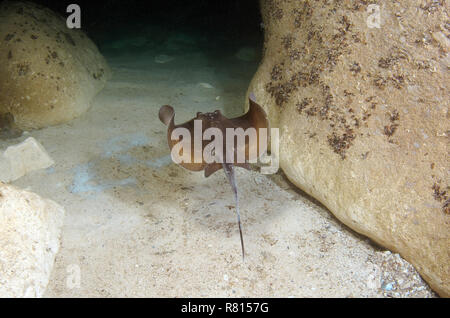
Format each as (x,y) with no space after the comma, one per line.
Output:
(255,118)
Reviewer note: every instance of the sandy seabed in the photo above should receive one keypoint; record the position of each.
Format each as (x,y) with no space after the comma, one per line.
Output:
(138,225)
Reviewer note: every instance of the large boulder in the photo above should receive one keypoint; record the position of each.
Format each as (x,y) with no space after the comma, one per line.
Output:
(48,72)
(30,228)
(360,95)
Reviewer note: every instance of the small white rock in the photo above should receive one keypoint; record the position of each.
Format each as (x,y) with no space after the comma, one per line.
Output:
(20,159)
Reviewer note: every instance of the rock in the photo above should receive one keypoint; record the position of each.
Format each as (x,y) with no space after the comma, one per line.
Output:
(363,117)
(29,238)
(23,158)
(51,73)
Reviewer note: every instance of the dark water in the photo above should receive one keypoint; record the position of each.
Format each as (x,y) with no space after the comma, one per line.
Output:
(216,25)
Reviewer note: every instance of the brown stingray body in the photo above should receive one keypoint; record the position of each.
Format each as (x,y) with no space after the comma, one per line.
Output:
(254,118)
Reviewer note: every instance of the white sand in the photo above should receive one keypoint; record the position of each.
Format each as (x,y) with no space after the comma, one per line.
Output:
(138,225)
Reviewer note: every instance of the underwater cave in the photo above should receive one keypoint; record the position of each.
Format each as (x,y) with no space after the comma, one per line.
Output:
(100,207)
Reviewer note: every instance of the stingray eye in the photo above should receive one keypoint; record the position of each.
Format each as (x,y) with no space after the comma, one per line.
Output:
(216,112)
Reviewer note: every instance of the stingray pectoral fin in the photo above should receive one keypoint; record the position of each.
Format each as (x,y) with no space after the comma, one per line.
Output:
(255,118)
(166,113)
(257,115)
(211,168)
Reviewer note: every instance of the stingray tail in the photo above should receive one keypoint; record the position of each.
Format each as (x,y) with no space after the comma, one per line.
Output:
(229,172)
